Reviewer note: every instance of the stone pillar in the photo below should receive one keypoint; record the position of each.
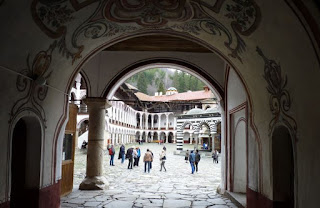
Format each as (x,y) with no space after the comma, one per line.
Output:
(152,136)
(147,117)
(174,138)
(94,173)
(167,124)
(167,136)
(159,122)
(152,120)
(191,138)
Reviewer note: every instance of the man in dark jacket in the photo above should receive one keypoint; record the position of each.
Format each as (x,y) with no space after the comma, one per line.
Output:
(122,153)
(192,159)
(130,157)
(198,157)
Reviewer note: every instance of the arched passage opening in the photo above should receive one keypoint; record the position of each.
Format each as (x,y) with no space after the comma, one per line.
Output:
(283,168)
(26,163)
(138,119)
(170,137)
(182,65)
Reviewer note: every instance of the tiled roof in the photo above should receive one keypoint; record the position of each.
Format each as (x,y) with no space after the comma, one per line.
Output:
(185,96)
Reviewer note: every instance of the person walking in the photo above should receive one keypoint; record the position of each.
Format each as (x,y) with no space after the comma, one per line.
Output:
(122,153)
(130,157)
(111,153)
(135,157)
(192,159)
(163,160)
(147,159)
(186,158)
(198,157)
(138,155)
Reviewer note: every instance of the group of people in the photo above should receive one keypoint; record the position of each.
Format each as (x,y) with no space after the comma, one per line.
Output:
(194,158)
(133,155)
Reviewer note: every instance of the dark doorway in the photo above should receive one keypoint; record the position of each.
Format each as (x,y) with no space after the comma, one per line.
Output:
(283,168)
(25,163)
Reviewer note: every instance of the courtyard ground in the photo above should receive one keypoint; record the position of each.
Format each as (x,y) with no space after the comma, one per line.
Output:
(176,187)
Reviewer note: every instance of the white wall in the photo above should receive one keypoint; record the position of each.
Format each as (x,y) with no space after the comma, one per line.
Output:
(240,158)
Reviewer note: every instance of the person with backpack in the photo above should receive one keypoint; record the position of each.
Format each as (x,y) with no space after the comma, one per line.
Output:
(130,157)
(111,153)
(198,157)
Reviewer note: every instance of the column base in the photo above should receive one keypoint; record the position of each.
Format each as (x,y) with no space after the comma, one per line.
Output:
(94,183)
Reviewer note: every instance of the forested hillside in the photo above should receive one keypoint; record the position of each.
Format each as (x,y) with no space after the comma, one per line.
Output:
(160,79)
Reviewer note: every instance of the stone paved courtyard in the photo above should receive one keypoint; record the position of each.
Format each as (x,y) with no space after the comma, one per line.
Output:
(176,187)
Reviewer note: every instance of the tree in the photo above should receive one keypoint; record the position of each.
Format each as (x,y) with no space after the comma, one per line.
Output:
(161,88)
(142,83)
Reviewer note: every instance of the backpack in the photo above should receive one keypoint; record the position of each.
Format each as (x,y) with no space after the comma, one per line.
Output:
(110,151)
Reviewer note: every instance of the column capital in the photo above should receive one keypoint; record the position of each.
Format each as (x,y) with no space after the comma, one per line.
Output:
(97,102)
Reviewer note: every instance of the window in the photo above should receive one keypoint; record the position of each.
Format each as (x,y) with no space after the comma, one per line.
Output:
(67,147)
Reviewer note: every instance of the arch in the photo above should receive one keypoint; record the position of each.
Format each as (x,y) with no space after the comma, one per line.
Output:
(163,120)
(199,125)
(179,64)
(155,120)
(207,45)
(138,119)
(149,117)
(170,137)
(171,120)
(283,167)
(186,123)
(86,80)
(26,155)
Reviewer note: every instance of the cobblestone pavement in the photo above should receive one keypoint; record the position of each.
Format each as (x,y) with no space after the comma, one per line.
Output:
(176,187)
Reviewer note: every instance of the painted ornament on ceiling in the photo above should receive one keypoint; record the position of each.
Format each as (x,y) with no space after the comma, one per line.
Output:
(116,18)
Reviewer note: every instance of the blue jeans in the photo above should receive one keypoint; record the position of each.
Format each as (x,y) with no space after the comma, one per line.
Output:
(122,158)
(192,167)
(111,159)
(147,163)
